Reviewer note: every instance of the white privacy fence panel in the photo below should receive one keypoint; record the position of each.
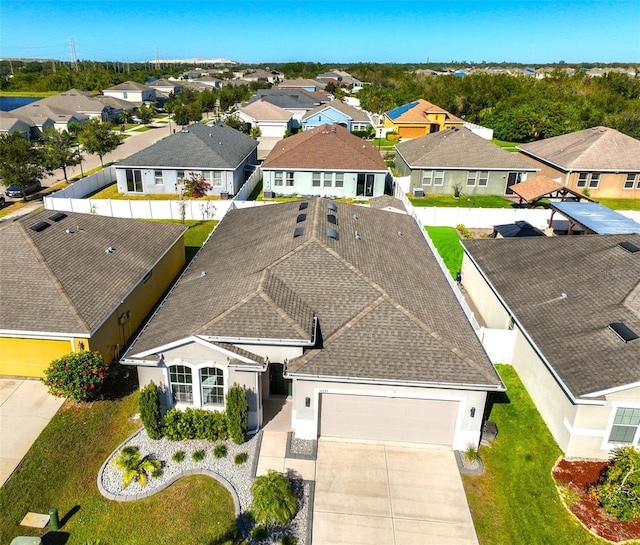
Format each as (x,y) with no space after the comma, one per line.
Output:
(87,185)
(249,185)
(498,343)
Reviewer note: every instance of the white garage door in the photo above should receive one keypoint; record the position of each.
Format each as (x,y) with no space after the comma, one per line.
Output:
(388,419)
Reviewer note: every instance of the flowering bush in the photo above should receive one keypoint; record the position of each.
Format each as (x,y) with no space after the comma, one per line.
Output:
(196,186)
(77,376)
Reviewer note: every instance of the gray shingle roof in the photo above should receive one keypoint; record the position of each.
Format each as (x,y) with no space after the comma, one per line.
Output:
(384,309)
(600,280)
(598,148)
(292,99)
(459,148)
(353,113)
(65,282)
(197,146)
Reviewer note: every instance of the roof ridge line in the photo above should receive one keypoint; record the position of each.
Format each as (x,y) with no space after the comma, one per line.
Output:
(292,323)
(224,314)
(54,280)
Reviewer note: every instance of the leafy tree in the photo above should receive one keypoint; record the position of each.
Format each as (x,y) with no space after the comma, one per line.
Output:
(237,413)
(234,122)
(255,132)
(273,499)
(97,138)
(619,488)
(195,186)
(21,161)
(59,151)
(134,466)
(146,113)
(180,115)
(78,376)
(124,116)
(150,412)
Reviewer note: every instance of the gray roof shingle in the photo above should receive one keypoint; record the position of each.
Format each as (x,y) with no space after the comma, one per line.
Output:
(600,280)
(196,146)
(384,309)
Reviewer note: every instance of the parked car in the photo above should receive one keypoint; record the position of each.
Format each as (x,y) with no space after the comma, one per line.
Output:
(1,200)
(16,190)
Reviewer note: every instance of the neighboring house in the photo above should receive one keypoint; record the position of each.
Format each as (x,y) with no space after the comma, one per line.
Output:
(79,282)
(600,160)
(295,101)
(132,91)
(327,161)
(40,117)
(259,74)
(272,120)
(343,79)
(337,112)
(211,82)
(310,85)
(574,305)
(419,118)
(342,307)
(11,125)
(165,88)
(217,152)
(438,162)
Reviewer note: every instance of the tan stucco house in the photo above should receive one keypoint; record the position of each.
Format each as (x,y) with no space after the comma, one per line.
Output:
(342,307)
(601,161)
(74,282)
(574,306)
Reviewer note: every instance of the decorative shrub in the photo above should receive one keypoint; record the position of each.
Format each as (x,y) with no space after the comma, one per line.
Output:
(195,424)
(259,533)
(198,455)
(220,451)
(150,412)
(619,488)
(273,499)
(178,456)
(78,376)
(196,186)
(237,414)
(392,137)
(240,458)
(157,473)
(134,466)
(288,540)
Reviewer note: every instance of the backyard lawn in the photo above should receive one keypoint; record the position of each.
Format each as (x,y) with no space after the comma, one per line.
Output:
(111,192)
(621,204)
(465,201)
(447,242)
(515,500)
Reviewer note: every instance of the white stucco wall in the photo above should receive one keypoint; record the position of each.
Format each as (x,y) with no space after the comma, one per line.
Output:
(303,184)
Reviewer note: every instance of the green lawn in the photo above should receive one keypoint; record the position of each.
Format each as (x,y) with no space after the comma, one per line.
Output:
(509,146)
(111,192)
(621,204)
(465,201)
(515,500)
(447,242)
(61,468)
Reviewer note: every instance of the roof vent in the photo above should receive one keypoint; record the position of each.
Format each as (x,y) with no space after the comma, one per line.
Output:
(332,233)
(40,226)
(298,232)
(332,219)
(332,206)
(301,218)
(303,206)
(629,246)
(109,250)
(622,331)
(358,237)
(58,216)
(203,273)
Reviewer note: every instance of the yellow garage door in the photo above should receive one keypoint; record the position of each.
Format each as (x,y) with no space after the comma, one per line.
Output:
(412,132)
(30,357)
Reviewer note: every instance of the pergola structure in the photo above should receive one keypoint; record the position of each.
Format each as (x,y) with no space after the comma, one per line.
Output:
(594,218)
(542,187)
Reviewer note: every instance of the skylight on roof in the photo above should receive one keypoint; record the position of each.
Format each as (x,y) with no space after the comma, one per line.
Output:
(58,216)
(332,219)
(629,246)
(301,218)
(332,233)
(303,206)
(40,226)
(298,232)
(332,206)
(624,332)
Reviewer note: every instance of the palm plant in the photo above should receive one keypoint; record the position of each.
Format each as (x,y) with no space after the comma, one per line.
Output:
(273,499)
(134,466)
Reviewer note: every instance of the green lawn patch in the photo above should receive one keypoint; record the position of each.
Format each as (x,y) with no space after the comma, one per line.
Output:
(111,192)
(144,128)
(465,201)
(515,500)
(447,242)
(621,204)
(509,146)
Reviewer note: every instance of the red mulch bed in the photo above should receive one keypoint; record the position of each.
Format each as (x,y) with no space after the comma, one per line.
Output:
(579,476)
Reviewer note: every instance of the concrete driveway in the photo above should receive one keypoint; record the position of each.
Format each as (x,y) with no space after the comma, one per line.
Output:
(389,495)
(25,409)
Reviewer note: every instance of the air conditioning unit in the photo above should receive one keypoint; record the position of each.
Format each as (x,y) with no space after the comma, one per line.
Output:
(418,192)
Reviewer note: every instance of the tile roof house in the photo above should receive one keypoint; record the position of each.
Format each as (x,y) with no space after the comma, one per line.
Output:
(600,160)
(339,113)
(272,120)
(418,118)
(218,152)
(318,299)
(438,162)
(327,161)
(132,91)
(573,304)
(79,282)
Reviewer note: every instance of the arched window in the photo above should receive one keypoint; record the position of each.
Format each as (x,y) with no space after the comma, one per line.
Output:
(212,381)
(181,384)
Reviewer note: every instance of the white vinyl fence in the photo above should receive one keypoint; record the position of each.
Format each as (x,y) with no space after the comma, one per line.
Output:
(87,185)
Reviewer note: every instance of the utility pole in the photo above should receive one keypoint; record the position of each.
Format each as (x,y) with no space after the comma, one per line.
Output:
(74,58)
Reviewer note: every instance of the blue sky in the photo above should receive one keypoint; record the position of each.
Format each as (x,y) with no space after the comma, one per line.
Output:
(525,31)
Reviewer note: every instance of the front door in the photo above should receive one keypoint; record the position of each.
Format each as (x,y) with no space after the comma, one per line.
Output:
(512,178)
(364,186)
(278,385)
